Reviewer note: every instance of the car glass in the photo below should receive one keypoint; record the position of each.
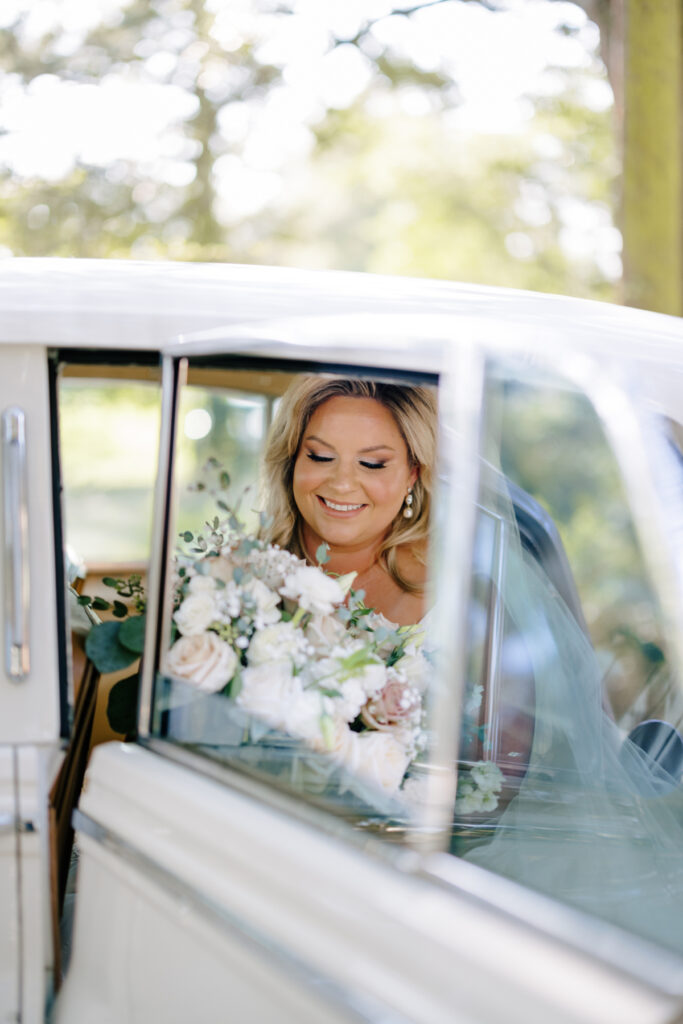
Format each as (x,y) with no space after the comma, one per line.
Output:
(571,755)
(269,665)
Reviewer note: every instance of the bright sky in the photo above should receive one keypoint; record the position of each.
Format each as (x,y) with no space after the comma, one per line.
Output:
(496,58)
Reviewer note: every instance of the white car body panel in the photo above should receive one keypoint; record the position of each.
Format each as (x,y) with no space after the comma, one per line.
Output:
(30,708)
(384,940)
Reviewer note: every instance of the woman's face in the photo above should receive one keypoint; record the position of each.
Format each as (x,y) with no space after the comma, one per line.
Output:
(351,474)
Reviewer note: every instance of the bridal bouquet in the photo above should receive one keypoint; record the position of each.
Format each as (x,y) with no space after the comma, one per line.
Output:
(297,649)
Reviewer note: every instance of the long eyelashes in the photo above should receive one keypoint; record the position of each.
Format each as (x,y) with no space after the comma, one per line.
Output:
(326,458)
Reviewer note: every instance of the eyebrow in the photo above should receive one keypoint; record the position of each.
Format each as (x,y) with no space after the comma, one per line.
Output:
(361,451)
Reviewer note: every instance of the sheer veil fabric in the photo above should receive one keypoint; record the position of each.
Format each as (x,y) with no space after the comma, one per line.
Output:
(595,821)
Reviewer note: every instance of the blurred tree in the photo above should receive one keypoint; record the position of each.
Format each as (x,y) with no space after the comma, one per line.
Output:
(642,48)
(385,180)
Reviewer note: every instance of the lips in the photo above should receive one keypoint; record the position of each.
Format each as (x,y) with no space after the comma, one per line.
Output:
(336,506)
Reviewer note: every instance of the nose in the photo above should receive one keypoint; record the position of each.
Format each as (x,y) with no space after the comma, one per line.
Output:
(344,476)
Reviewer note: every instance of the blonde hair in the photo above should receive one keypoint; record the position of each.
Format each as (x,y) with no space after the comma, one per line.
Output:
(414,410)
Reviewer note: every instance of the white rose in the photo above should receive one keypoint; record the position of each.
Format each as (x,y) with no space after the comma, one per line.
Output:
(381,760)
(313,590)
(205,660)
(352,699)
(268,690)
(265,600)
(196,613)
(473,700)
(302,715)
(341,742)
(372,678)
(324,631)
(201,585)
(489,801)
(469,799)
(274,643)
(487,776)
(330,673)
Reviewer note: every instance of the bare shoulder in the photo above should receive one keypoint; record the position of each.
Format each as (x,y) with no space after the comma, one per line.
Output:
(411,561)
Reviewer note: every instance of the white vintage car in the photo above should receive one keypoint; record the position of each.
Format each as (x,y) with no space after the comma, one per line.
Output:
(530,865)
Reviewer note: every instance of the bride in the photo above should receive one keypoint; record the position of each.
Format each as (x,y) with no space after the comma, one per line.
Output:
(349,463)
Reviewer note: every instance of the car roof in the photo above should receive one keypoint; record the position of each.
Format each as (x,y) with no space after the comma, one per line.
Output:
(126,304)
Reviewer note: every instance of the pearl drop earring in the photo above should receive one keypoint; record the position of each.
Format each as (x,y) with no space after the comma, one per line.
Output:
(407,510)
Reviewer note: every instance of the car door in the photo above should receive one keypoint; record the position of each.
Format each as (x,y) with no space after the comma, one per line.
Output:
(30,725)
(220,879)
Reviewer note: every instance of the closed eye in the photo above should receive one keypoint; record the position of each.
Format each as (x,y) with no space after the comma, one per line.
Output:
(373,465)
(318,458)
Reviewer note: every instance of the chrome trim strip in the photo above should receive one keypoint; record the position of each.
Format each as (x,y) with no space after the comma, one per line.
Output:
(494,645)
(460,401)
(163,537)
(362,1007)
(16,548)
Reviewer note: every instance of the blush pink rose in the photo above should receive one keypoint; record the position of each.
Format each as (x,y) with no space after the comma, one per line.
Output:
(204,660)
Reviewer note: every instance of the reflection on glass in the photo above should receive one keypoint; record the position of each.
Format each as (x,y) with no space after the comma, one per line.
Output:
(567,646)
(227,425)
(271,665)
(109,434)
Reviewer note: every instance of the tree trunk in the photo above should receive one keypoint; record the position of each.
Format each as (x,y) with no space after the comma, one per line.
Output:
(652,176)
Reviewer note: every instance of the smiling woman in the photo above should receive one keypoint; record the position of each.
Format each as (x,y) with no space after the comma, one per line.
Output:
(349,463)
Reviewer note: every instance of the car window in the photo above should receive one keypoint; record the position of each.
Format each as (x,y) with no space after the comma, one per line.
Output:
(109,433)
(269,665)
(107,415)
(571,754)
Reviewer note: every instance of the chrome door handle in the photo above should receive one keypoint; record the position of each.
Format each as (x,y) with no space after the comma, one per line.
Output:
(16,556)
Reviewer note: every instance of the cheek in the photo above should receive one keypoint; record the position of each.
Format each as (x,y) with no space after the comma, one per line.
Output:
(390,494)
(304,479)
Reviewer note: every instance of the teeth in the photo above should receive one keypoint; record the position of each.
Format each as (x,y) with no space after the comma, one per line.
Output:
(341,508)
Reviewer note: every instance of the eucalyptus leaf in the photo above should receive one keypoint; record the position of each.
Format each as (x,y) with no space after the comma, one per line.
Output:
(104,649)
(235,685)
(322,555)
(120,610)
(100,604)
(109,581)
(122,705)
(132,633)
(84,600)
